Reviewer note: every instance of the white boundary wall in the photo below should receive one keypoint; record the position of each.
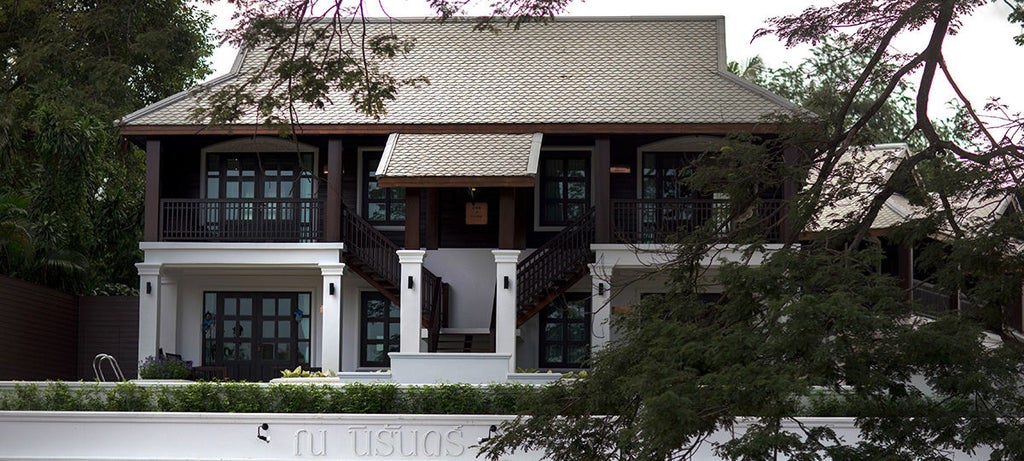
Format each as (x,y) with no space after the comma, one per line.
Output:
(43,435)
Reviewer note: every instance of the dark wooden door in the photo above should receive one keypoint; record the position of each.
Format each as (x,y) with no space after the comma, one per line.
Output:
(256,335)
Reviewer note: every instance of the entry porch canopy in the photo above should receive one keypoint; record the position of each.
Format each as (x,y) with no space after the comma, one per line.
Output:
(460,160)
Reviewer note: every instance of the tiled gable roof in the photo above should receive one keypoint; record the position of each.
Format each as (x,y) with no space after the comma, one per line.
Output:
(414,157)
(570,71)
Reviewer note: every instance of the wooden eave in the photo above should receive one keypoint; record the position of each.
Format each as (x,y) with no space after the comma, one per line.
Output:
(455,181)
(385,129)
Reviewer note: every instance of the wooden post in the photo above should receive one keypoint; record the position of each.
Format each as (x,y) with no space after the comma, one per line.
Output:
(905,268)
(151,230)
(412,218)
(333,202)
(789,190)
(602,190)
(523,218)
(433,217)
(507,218)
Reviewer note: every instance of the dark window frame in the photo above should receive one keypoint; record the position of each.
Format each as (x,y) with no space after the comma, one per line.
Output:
(563,322)
(564,181)
(394,197)
(391,340)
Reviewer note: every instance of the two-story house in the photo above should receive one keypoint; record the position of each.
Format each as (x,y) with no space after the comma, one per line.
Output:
(488,222)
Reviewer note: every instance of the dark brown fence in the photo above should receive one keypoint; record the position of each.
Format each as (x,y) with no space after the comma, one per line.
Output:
(39,336)
(48,334)
(108,325)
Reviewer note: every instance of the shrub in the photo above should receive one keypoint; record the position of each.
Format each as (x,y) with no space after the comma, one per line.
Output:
(359,398)
(129,397)
(165,368)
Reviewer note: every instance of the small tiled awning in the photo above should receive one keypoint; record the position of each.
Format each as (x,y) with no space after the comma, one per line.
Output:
(460,160)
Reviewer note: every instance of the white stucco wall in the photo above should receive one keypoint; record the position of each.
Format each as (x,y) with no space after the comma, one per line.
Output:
(227,436)
(471,273)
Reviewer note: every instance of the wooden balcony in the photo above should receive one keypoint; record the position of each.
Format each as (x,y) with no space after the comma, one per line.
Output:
(241,220)
(664,220)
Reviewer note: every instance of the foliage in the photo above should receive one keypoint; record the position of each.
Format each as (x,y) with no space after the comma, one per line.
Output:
(165,368)
(298,372)
(276,398)
(821,82)
(818,314)
(68,70)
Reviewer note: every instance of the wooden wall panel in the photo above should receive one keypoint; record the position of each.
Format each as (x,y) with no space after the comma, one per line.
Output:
(108,325)
(39,337)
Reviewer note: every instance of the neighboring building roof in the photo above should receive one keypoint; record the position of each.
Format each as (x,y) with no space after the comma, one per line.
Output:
(655,70)
(418,160)
(862,173)
(858,177)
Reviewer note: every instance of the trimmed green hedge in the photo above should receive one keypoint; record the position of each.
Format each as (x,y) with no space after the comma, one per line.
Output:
(279,398)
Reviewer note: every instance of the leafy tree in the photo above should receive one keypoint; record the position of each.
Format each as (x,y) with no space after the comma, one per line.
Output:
(68,70)
(817,315)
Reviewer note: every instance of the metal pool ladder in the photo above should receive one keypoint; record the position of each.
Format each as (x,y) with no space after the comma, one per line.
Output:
(97,367)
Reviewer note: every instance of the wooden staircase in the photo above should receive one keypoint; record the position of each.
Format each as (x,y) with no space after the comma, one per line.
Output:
(465,340)
(374,257)
(555,267)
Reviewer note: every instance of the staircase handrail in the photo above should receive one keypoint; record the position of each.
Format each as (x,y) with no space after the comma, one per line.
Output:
(569,249)
(372,247)
(433,306)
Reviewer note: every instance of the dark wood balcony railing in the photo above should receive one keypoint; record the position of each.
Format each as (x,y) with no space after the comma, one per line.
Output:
(663,220)
(241,220)
(554,264)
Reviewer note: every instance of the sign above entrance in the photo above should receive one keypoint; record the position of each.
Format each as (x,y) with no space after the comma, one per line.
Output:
(476,213)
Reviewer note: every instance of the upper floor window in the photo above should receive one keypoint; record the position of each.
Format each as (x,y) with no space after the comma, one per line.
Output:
(381,206)
(564,186)
(665,174)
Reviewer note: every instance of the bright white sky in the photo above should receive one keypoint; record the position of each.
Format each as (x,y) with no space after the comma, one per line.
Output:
(982,57)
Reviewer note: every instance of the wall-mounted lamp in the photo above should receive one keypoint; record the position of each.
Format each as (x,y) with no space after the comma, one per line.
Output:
(600,289)
(507,282)
(149,288)
(410,282)
(259,432)
(330,289)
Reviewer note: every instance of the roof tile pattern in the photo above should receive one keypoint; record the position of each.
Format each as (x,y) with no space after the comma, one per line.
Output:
(579,71)
(453,155)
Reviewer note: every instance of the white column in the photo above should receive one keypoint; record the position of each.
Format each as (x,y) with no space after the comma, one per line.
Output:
(409,286)
(149,309)
(330,337)
(169,314)
(600,306)
(505,262)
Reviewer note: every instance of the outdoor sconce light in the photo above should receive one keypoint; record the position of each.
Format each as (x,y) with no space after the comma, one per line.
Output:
(149,288)
(330,289)
(507,282)
(410,282)
(491,432)
(259,432)
(600,289)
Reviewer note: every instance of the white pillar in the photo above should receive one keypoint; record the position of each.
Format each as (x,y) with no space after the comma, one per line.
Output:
(409,287)
(505,262)
(169,314)
(149,309)
(600,306)
(330,336)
